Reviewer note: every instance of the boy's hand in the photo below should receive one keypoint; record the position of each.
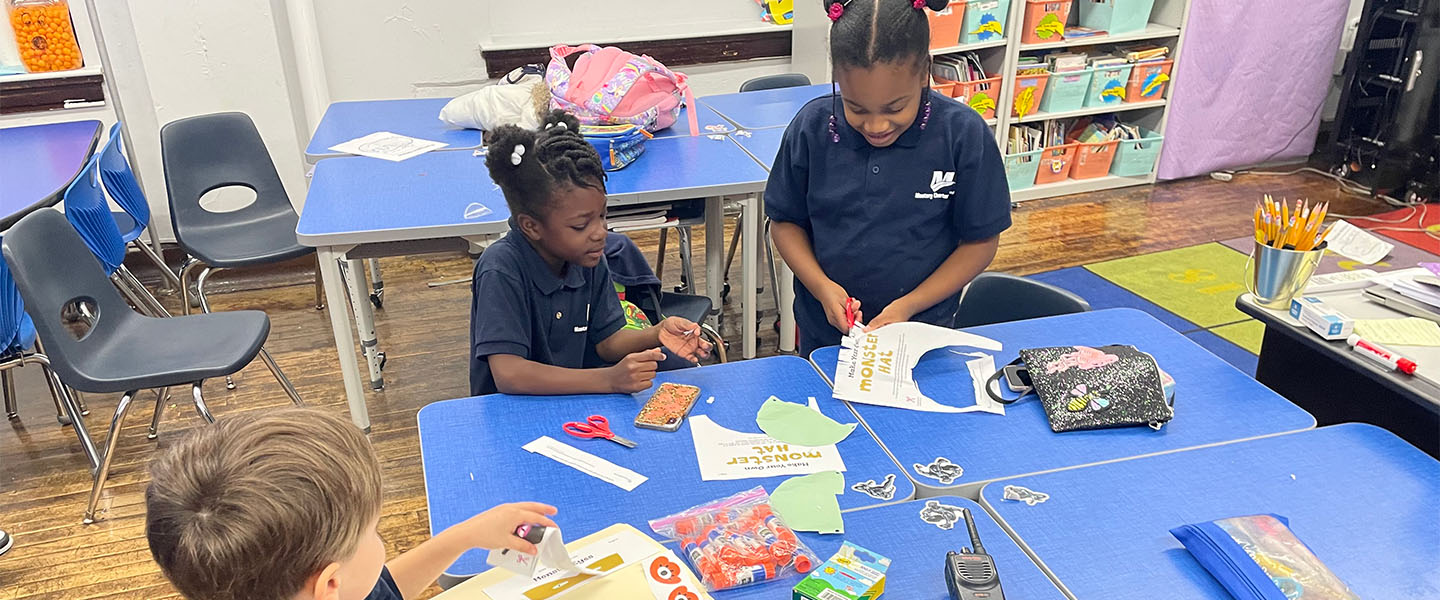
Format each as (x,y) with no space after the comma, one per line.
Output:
(682,337)
(635,372)
(899,311)
(833,298)
(494,529)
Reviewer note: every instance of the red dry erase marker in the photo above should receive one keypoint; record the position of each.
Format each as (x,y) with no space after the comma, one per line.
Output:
(1382,355)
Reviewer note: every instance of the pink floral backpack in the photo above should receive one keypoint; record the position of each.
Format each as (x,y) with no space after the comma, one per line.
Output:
(610,86)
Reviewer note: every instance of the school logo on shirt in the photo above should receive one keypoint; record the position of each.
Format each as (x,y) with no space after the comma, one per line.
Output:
(938,181)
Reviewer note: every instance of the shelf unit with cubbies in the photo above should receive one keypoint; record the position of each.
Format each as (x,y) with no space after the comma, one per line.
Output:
(1164,26)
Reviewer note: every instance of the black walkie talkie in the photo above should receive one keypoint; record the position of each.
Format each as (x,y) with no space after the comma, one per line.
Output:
(972,575)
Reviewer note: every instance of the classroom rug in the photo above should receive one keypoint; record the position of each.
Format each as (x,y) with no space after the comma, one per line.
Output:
(1403,256)
(1246,334)
(1405,225)
(1197,283)
(1238,357)
(1102,294)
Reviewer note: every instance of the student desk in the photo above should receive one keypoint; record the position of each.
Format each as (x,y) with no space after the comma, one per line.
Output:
(1338,385)
(1362,499)
(415,117)
(1214,403)
(362,207)
(37,163)
(764,108)
(709,121)
(471,451)
(761,144)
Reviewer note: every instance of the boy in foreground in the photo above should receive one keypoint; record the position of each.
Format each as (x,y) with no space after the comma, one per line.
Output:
(285,504)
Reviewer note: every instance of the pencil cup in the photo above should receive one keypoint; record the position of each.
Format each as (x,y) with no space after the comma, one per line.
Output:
(1274,275)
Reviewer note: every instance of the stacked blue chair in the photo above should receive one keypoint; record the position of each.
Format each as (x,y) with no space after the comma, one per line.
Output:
(88,212)
(134,217)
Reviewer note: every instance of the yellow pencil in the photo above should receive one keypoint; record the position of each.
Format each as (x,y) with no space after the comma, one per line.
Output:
(1321,240)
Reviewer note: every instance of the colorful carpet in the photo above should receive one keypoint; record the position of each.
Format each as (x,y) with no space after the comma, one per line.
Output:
(1198,283)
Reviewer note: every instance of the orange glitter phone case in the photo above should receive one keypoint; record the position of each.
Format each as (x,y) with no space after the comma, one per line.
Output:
(667,407)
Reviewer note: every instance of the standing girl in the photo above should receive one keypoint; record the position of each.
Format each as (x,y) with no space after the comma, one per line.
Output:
(885,194)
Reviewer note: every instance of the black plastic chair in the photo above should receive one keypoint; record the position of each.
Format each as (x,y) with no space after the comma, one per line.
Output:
(55,272)
(209,152)
(642,287)
(998,298)
(770,82)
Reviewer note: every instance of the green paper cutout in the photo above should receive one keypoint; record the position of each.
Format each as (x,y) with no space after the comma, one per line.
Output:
(808,502)
(799,424)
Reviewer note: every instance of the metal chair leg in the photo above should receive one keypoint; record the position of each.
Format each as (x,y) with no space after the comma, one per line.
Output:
(280,377)
(319,285)
(155,418)
(770,260)
(170,278)
(717,342)
(199,399)
(11,412)
(57,388)
(104,470)
(205,307)
(687,266)
(734,245)
(185,299)
(61,393)
(156,309)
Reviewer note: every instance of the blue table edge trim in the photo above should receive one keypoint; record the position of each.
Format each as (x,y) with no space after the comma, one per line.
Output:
(56,196)
(1024,547)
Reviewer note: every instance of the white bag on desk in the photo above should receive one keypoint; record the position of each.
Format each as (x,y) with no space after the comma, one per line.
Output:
(509,101)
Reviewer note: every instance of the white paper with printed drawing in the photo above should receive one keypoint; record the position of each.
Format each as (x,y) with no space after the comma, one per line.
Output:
(876,367)
(725,454)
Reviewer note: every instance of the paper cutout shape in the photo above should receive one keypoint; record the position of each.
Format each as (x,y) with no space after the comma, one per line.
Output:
(388,146)
(606,556)
(724,454)
(884,490)
(876,367)
(940,515)
(669,579)
(941,469)
(1028,496)
(799,424)
(586,463)
(808,503)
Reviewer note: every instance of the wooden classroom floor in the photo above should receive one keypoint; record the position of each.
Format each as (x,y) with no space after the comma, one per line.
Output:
(44,482)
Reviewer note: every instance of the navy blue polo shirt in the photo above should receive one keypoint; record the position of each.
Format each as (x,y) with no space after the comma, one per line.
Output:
(521,307)
(385,588)
(881,220)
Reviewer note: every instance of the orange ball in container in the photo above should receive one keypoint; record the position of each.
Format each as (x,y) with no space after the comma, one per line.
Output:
(44,34)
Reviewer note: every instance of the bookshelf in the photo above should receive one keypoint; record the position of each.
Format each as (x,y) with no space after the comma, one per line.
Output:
(1166,27)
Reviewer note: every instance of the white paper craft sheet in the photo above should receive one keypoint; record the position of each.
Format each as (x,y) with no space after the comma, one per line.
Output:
(725,454)
(876,367)
(388,146)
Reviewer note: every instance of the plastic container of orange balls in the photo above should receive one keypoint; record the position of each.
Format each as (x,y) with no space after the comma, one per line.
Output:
(44,34)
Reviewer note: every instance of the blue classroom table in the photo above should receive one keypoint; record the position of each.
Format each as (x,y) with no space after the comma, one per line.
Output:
(1214,403)
(415,117)
(761,144)
(1363,500)
(705,117)
(917,553)
(764,108)
(37,163)
(471,451)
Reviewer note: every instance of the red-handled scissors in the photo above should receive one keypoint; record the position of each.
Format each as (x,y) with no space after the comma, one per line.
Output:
(595,426)
(850,312)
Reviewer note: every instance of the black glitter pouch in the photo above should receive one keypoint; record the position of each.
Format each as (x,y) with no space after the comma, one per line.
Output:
(1094,388)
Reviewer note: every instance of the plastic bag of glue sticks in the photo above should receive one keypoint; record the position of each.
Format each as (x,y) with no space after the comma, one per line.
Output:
(736,541)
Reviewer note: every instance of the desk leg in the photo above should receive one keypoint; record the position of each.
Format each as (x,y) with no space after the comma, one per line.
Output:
(749,257)
(787,306)
(364,321)
(377,296)
(344,338)
(714,254)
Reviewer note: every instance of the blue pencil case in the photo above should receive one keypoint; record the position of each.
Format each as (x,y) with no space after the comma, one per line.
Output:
(618,145)
(1259,558)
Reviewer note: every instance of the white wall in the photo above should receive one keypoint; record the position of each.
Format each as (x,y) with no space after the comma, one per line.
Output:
(172,60)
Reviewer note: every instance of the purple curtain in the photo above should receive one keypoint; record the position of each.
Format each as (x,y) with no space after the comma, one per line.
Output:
(1249,83)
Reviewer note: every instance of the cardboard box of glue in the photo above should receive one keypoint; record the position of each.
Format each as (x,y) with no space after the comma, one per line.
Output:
(1329,323)
(854,573)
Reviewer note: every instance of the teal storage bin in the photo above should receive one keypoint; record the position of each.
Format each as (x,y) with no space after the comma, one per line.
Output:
(1115,16)
(1020,169)
(985,21)
(1067,91)
(1107,86)
(1136,158)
